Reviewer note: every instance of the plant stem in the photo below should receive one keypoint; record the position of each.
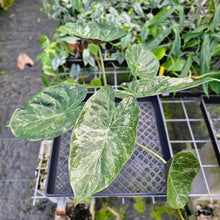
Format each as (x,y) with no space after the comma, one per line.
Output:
(103,67)
(206,74)
(180,214)
(152,152)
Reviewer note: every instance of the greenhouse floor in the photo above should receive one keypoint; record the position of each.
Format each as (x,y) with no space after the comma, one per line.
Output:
(21,27)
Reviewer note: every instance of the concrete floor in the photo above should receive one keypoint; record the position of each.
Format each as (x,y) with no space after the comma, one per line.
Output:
(20,29)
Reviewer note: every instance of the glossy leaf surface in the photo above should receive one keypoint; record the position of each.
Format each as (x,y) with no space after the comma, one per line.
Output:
(103,140)
(159,85)
(49,113)
(93,32)
(183,170)
(141,61)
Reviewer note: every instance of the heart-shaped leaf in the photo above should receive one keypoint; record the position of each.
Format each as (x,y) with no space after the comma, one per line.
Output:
(93,32)
(183,170)
(141,61)
(159,85)
(49,113)
(102,141)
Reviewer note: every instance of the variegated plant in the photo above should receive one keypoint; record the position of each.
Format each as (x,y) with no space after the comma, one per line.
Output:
(104,136)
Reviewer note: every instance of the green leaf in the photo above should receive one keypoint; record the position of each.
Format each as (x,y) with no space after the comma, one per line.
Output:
(125,41)
(174,64)
(215,85)
(141,61)
(177,43)
(138,9)
(57,61)
(74,71)
(44,41)
(93,32)
(77,4)
(183,170)
(68,39)
(96,82)
(47,68)
(102,141)
(144,33)
(160,53)
(69,81)
(216,19)
(186,68)
(120,56)
(216,51)
(45,80)
(191,43)
(86,55)
(50,113)
(152,45)
(205,55)
(161,16)
(178,65)
(93,49)
(161,84)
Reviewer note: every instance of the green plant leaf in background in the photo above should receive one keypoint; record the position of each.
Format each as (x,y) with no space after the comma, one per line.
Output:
(45,80)
(177,43)
(47,68)
(57,61)
(74,71)
(141,61)
(185,70)
(44,41)
(153,44)
(96,82)
(86,55)
(215,85)
(160,53)
(93,32)
(216,20)
(125,41)
(50,113)
(161,84)
(77,4)
(205,55)
(182,172)
(102,141)
(165,13)
(144,33)
(93,49)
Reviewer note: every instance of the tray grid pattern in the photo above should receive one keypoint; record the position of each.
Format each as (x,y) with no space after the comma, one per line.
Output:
(137,176)
(204,185)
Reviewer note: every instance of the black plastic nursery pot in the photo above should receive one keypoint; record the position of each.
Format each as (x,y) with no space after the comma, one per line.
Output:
(211,109)
(142,175)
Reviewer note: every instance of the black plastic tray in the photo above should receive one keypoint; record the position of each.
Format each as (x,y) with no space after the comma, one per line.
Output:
(211,108)
(142,175)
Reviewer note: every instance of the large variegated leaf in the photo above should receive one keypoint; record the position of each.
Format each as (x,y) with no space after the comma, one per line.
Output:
(141,61)
(93,32)
(103,140)
(49,113)
(159,85)
(183,170)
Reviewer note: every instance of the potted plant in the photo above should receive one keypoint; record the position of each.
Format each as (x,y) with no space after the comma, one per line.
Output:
(182,38)
(104,135)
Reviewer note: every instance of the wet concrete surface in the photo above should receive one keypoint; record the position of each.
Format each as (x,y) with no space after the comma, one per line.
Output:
(20,29)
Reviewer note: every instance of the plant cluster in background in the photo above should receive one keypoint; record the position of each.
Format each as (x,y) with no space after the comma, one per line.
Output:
(184,35)
(5,4)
